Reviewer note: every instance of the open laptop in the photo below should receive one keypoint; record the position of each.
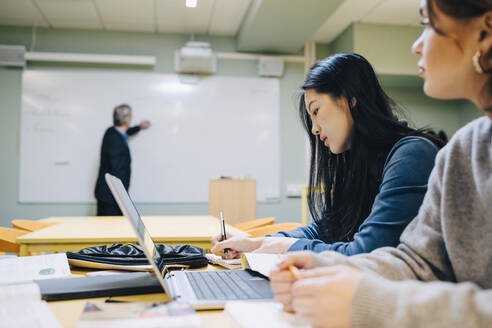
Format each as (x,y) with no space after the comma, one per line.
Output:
(202,289)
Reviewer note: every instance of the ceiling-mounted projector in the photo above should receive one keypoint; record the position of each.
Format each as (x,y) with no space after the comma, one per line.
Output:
(195,57)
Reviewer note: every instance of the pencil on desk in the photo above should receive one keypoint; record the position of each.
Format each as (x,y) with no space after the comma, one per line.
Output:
(295,272)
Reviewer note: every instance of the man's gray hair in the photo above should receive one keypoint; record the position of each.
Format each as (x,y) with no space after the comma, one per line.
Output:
(121,114)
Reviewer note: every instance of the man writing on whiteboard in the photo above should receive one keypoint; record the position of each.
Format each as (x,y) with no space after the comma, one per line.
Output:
(115,158)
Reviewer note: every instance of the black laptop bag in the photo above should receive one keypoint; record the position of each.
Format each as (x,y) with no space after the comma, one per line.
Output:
(168,257)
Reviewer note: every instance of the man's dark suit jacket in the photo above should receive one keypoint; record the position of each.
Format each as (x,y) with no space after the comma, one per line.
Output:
(115,160)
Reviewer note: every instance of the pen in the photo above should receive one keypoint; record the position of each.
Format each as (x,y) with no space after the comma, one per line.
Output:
(222,230)
(109,300)
(295,272)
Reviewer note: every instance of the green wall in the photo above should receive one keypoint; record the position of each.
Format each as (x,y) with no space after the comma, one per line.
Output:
(424,112)
(387,48)
(345,41)
(469,112)
(161,46)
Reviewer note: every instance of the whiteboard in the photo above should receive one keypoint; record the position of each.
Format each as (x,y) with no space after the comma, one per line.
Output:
(202,128)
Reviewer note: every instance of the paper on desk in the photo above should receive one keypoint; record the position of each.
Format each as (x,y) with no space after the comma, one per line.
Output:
(138,315)
(260,262)
(231,264)
(27,315)
(29,268)
(25,292)
(262,314)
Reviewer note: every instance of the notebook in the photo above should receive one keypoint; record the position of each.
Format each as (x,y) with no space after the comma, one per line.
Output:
(202,289)
(260,262)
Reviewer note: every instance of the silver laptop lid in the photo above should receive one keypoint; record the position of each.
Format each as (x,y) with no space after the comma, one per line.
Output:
(130,211)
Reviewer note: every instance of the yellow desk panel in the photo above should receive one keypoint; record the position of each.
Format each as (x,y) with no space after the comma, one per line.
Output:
(72,234)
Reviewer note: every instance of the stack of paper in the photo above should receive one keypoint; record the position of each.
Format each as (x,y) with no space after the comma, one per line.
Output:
(21,305)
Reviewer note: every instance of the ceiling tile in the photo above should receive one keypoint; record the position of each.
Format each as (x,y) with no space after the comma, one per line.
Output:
(20,12)
(174,17)
(71,13)
(129,15)
(228,16)
(398,12)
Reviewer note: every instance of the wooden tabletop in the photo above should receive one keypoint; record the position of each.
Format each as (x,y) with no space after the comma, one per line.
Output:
(68,312)
(118,229)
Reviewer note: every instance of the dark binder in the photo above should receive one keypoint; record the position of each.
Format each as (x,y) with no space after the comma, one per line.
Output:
(99,286)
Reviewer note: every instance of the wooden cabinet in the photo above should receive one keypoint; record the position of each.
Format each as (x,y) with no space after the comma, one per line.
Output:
(235,197)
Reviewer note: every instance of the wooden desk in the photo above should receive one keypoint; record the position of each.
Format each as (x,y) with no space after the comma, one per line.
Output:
(68,312)
(75,233)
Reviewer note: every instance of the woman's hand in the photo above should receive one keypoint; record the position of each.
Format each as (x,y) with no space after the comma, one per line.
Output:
(324,296)
(217,238)
(237,245)
(281,279)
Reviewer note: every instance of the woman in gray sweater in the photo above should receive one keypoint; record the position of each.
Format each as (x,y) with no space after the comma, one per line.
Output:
(440,275)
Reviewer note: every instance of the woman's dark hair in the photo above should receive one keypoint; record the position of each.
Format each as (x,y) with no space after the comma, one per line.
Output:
(350,180)
(460,9)
(463,10)
(443,136)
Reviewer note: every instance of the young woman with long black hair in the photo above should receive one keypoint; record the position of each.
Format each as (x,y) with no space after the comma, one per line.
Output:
(368,173)
(440,275)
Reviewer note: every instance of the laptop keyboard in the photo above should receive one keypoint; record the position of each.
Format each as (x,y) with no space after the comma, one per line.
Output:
(224,284)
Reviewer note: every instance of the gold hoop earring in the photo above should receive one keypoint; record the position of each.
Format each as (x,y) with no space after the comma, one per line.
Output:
(476,62)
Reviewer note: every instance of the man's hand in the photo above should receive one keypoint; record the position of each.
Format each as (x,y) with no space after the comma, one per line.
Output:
(144,125)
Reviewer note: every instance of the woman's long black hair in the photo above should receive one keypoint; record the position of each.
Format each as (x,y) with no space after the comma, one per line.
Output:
(350,180)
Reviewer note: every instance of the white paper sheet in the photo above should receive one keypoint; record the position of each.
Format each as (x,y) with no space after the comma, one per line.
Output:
(262,314)
(29,268)
(138,315)
(27,315)
(229,264)
(25,292)
(260,262)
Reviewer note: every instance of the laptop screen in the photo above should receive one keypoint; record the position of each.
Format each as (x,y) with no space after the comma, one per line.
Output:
(130,211)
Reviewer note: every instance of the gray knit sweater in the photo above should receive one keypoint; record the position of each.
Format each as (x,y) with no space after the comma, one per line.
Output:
(441,273)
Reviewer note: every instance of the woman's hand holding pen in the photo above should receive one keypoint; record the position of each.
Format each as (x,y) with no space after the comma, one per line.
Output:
(240,244)
(218,238)
(282,278)
(236,245)
(323,296)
